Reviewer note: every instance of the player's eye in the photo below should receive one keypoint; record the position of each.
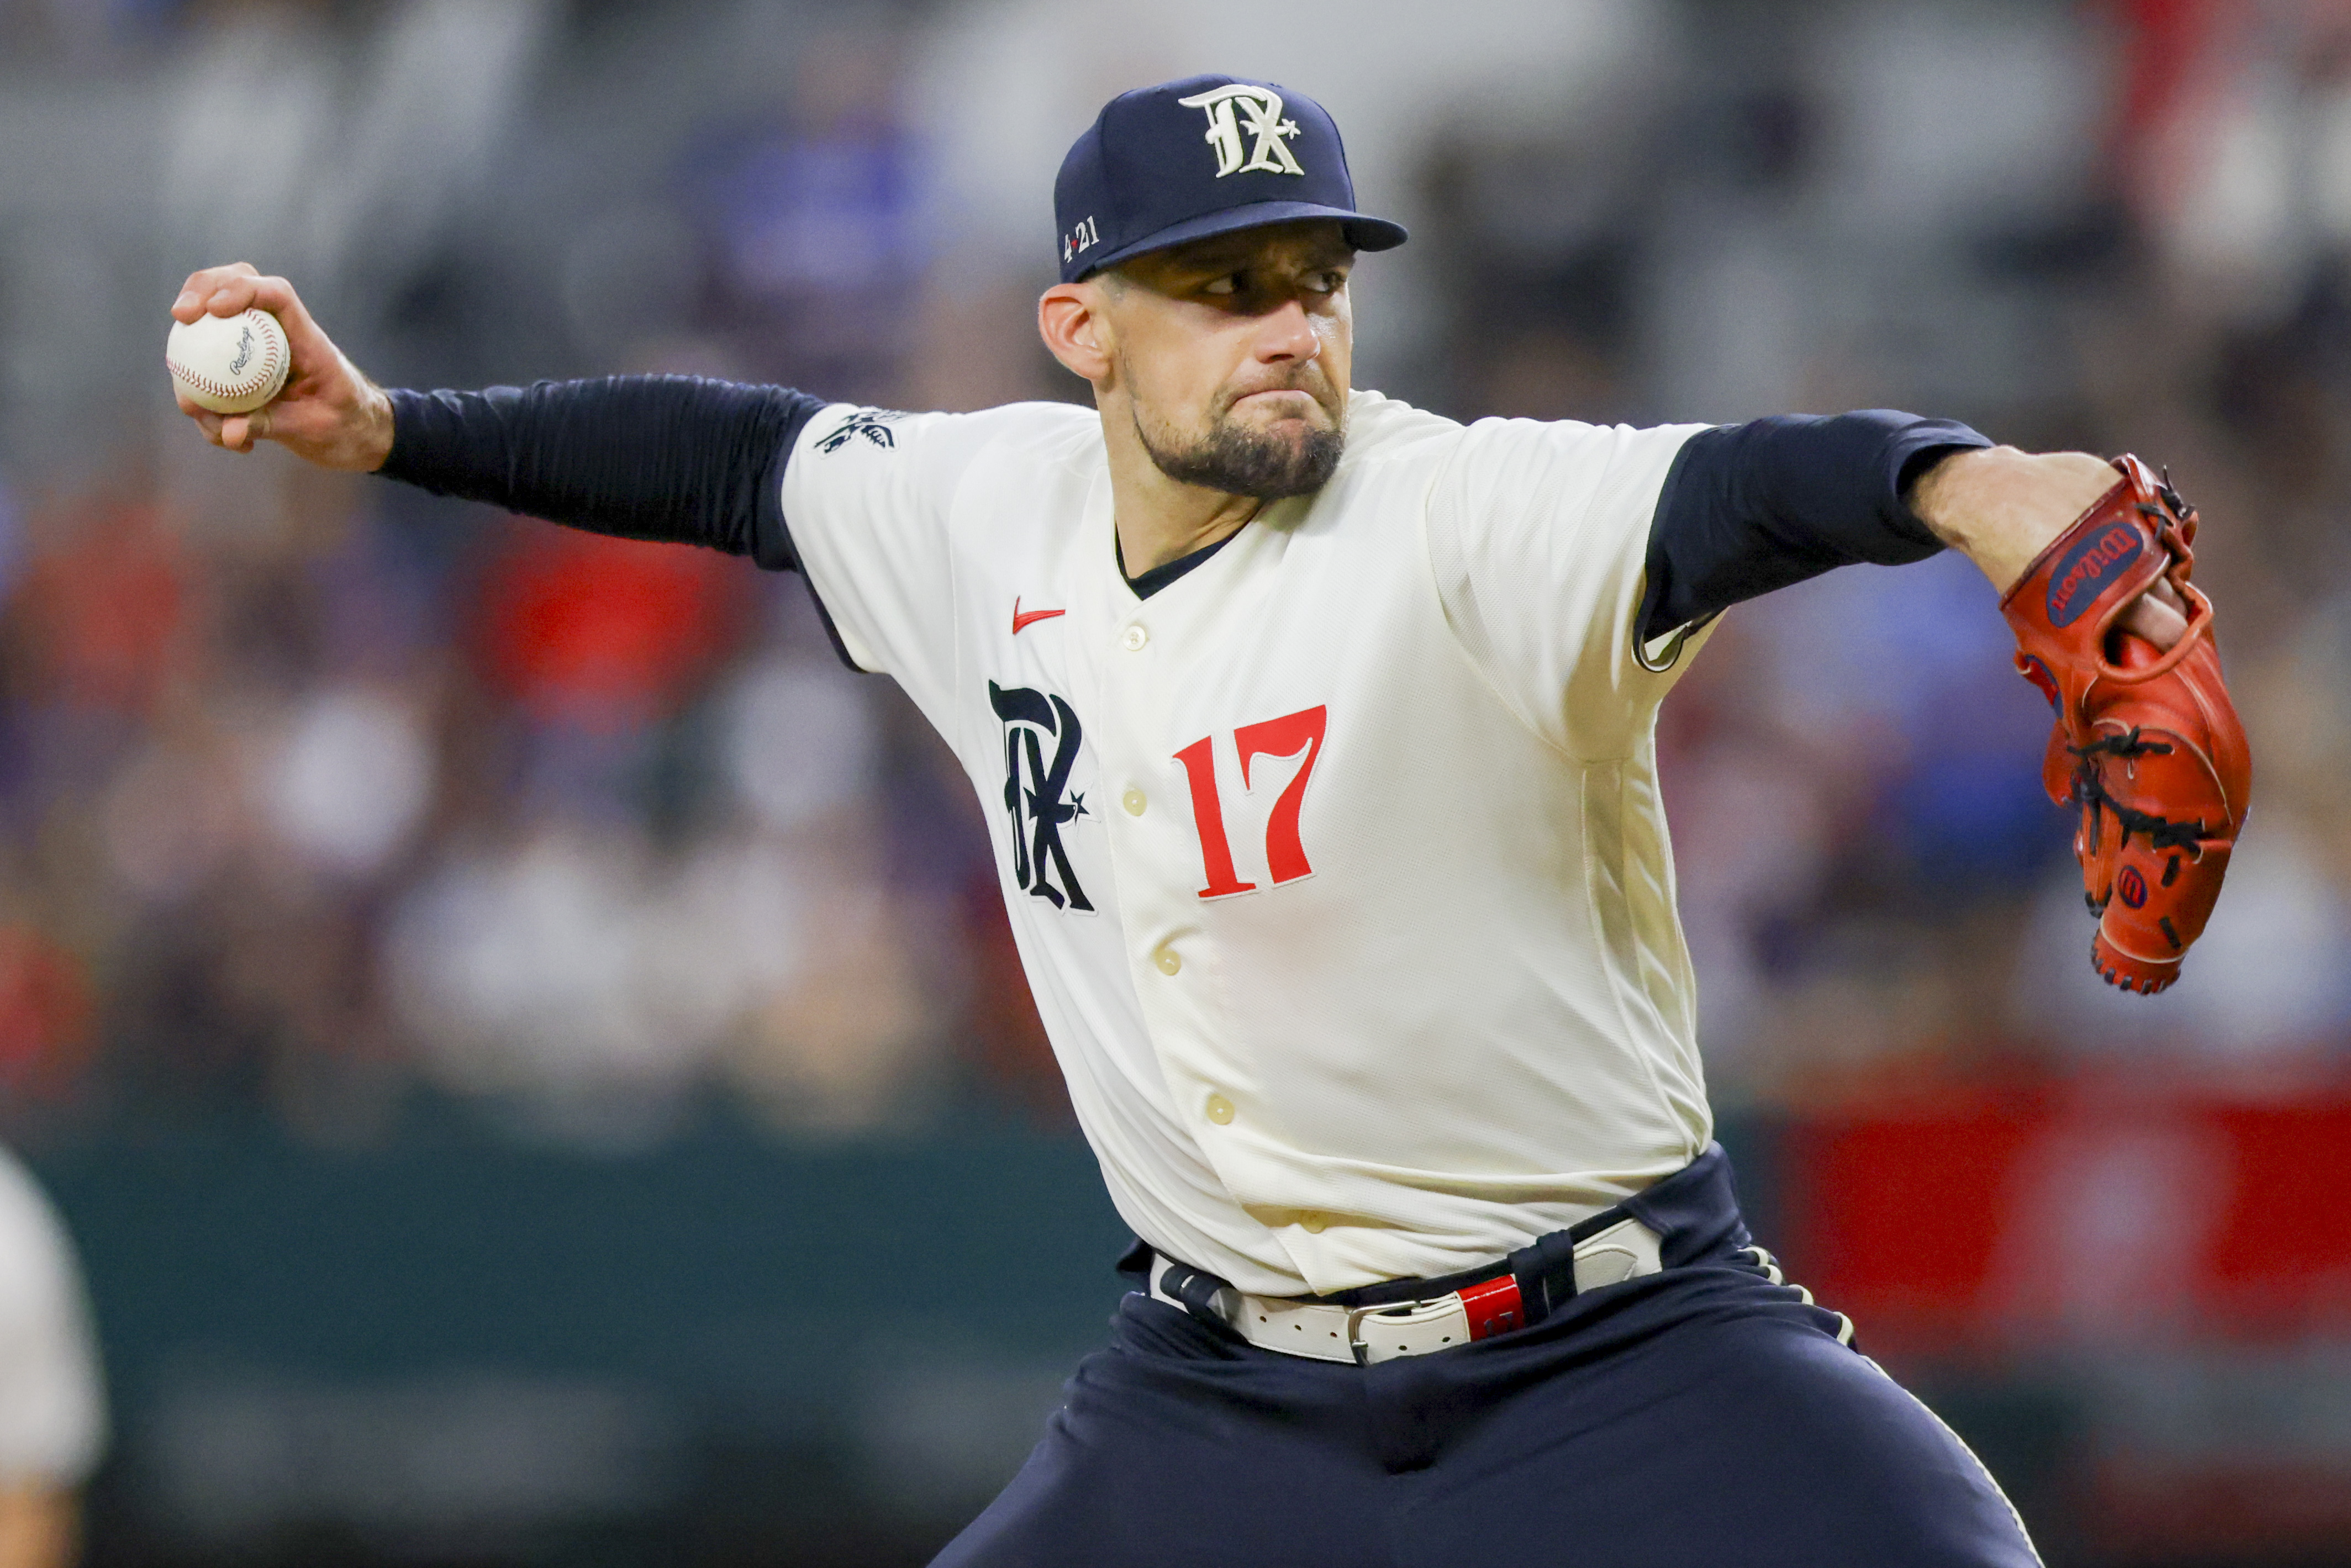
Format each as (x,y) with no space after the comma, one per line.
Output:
(1229,284)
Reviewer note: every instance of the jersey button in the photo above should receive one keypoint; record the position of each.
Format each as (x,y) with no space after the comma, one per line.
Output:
(1168,959)
(1134,639)
(1133,800)
(1221,1109)
(1312,1221)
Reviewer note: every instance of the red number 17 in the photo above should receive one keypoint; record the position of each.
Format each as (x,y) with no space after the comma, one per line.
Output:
(1285,856)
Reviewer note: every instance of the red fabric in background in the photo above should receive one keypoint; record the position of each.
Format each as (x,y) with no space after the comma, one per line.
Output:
(104,603)
(2163,45)
(602,632)
(1894,1215)
(2283,1251)
(46,1008)
(2087,1208)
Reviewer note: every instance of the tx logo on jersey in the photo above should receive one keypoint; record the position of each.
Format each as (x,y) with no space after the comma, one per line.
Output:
(1034,788)
(874,423)
(1269,151)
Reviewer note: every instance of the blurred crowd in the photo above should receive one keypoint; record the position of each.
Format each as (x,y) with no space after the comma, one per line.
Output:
(318,795)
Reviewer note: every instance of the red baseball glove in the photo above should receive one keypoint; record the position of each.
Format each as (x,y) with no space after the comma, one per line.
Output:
(2147,745)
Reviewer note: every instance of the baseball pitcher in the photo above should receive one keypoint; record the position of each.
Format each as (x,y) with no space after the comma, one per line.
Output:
(1316,735)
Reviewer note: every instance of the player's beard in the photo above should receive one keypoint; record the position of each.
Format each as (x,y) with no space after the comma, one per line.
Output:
(1237,460)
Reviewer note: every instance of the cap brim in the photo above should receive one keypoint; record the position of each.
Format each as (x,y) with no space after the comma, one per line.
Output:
(1362,231)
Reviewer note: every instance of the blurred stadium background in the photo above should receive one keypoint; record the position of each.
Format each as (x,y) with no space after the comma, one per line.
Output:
(528,1048)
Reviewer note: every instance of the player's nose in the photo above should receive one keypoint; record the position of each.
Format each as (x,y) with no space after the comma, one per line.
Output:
(1285,334)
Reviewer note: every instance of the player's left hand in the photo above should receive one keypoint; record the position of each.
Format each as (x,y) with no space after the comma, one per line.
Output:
(2146,747)
(1999,507)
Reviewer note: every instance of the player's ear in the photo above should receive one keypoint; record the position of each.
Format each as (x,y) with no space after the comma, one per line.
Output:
(1076,331)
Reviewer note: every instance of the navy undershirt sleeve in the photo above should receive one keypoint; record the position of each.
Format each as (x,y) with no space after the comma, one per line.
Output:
(677,458)
(1749,508)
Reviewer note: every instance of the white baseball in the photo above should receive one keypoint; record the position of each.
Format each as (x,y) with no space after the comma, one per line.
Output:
(229,364)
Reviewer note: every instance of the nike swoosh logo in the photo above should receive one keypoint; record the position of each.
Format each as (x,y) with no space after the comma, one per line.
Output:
(1021,621)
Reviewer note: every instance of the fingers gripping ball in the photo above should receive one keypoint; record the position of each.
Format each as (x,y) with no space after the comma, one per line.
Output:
(2146,747)
(229,364)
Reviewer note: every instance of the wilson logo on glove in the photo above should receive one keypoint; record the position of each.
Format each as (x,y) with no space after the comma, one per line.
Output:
(2086,568)
(2147,748)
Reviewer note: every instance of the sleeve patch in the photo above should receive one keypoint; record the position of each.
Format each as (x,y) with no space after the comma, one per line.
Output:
(872,423)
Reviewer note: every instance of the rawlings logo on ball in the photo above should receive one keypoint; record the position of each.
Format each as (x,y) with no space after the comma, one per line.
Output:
(229,364)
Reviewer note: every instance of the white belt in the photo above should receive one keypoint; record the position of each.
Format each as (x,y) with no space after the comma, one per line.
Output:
(1626,1250)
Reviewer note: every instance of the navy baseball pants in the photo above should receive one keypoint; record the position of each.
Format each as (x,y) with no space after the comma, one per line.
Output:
(1699,1415)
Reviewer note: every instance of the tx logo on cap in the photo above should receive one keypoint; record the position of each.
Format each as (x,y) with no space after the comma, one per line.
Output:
(1269,151)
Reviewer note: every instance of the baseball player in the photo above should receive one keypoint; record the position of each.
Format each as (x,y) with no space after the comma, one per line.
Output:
(52,1402)
(1316,735)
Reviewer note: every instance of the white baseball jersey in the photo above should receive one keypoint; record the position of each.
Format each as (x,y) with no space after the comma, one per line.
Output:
(52,1410)
(1337,865)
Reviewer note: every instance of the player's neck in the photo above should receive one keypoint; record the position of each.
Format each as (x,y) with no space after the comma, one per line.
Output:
(1149,537)
(1161,520)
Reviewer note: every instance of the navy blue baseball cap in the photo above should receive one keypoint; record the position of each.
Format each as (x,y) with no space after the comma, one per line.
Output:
(1198,157)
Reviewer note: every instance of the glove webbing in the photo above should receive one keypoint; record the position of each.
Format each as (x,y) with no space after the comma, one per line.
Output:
(2162,832)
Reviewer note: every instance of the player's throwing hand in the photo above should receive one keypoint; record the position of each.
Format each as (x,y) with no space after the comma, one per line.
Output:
(328,412)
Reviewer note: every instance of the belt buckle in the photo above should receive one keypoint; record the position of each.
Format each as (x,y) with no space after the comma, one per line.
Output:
(1408,1328)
